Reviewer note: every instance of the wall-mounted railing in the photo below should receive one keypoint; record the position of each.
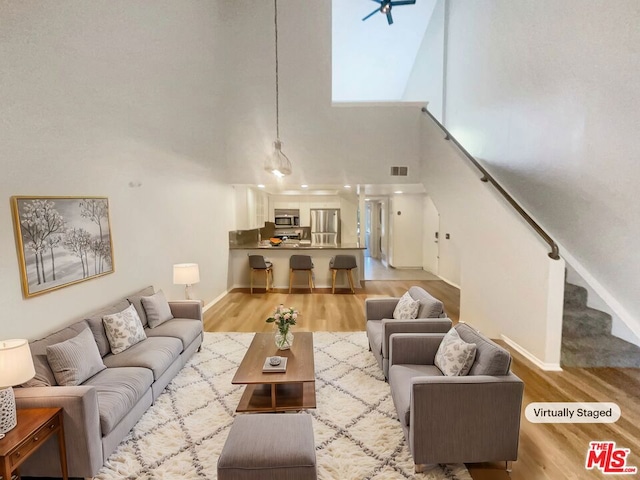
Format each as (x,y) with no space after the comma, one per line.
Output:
(486,177)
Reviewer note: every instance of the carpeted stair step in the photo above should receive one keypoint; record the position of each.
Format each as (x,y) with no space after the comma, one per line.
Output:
(586,336)
(599,351)
(578,322)
(574,295)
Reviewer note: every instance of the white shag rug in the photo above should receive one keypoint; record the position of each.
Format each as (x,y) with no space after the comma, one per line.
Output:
(356,430)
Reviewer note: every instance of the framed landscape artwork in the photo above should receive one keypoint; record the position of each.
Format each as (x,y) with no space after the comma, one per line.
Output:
(61,241)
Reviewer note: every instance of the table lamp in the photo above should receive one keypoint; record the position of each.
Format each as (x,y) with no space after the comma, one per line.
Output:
(16,367)
(186,274)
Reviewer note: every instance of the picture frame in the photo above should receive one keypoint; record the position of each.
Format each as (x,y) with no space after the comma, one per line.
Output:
(61,241)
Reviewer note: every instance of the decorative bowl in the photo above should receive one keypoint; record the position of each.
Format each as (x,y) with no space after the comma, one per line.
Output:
(275,361)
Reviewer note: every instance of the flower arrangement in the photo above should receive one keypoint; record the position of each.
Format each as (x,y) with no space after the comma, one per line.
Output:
(284,318)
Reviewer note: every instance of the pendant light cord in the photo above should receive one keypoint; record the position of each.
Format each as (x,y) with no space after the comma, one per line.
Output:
(275,4)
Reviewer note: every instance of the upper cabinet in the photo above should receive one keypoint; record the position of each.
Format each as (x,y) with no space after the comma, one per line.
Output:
(252,208)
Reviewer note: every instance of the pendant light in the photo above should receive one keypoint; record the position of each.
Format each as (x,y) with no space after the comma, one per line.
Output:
(277,163)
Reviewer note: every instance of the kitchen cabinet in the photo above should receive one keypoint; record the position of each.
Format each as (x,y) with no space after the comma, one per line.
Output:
(252,208)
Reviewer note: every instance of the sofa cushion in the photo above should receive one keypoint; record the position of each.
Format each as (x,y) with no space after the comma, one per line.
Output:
(157,309)
(124,329)
(118,390)
(76,359)
(454,356)
(374,334)
(44,375)
(400,382)
(430,307)
(97,327)
(136,301)
(491,358)
(184,329)
(406,308)
(154,353)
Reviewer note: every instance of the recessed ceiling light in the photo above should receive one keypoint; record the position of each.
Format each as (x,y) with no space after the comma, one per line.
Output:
(304,186)
(260,186)
(367,199)
(347,186)
(398,191)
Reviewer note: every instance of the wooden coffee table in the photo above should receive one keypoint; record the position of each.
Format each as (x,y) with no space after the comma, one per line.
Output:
(294,389)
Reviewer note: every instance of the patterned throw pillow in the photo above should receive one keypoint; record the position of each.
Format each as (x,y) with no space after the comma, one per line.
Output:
(123,329)
(455,356)
(406,308)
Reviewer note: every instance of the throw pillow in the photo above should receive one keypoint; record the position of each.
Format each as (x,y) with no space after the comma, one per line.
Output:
(455,356)
(406,308)
(75,360)
(157,309)
(136,301)
(123,329)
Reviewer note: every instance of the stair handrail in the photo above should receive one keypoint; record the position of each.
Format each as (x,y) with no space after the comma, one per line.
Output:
(486,177)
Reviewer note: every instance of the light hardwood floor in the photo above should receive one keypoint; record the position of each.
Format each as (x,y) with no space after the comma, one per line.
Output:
(547,451)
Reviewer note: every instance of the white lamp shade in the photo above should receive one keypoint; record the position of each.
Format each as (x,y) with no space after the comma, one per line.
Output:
(16,364)
(186,274)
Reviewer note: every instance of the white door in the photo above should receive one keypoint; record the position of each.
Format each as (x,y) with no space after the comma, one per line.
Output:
(430,233)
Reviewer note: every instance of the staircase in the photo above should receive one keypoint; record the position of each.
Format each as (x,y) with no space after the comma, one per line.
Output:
(586,336)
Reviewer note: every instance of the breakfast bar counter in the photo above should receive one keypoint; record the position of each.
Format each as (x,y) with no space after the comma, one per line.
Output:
(279,256)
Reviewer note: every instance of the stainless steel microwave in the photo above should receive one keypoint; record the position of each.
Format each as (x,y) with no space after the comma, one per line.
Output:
(287,221)
(287,217)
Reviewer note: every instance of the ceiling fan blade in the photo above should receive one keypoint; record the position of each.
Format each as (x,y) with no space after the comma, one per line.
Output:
(389,18)
(371,14)
(402,2)
(378,1)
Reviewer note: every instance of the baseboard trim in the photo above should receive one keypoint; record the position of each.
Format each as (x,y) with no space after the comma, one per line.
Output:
(214,301)
(447,281)
(549,367)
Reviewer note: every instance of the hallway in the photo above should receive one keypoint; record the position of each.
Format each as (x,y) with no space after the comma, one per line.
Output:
(375,270)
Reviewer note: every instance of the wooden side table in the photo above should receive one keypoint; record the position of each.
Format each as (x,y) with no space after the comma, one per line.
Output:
(35,426)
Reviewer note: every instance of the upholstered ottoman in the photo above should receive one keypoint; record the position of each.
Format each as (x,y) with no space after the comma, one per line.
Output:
(269,446)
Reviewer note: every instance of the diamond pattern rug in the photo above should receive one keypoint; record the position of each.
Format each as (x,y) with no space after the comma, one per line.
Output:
(356,430)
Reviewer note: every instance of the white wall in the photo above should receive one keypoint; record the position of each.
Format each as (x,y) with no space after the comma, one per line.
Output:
(545,93)
(405,234)
(349,218)
(426,81)
(508,285)
(96,95)
(326,145)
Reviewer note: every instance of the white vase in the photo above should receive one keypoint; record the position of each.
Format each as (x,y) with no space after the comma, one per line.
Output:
(284,340)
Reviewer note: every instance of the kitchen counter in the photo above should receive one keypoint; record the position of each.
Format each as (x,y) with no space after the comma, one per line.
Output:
(294,245)
(239,270)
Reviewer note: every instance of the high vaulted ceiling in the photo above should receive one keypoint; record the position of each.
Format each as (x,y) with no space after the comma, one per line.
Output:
(372,61)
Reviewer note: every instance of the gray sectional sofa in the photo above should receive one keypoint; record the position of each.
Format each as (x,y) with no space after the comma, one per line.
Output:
(101,411)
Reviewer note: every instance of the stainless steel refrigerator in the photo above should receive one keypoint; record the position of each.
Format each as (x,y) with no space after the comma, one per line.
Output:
(325,226)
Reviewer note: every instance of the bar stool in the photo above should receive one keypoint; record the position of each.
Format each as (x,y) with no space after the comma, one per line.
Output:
(258,263)
(300,262)
(342,262)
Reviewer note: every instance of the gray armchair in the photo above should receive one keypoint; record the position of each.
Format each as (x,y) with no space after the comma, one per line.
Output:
(464,419)
(380,323)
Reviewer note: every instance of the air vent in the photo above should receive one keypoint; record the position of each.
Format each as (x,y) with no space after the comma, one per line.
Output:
(399,171)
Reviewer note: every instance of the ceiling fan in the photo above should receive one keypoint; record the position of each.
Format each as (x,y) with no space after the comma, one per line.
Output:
(385,7)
